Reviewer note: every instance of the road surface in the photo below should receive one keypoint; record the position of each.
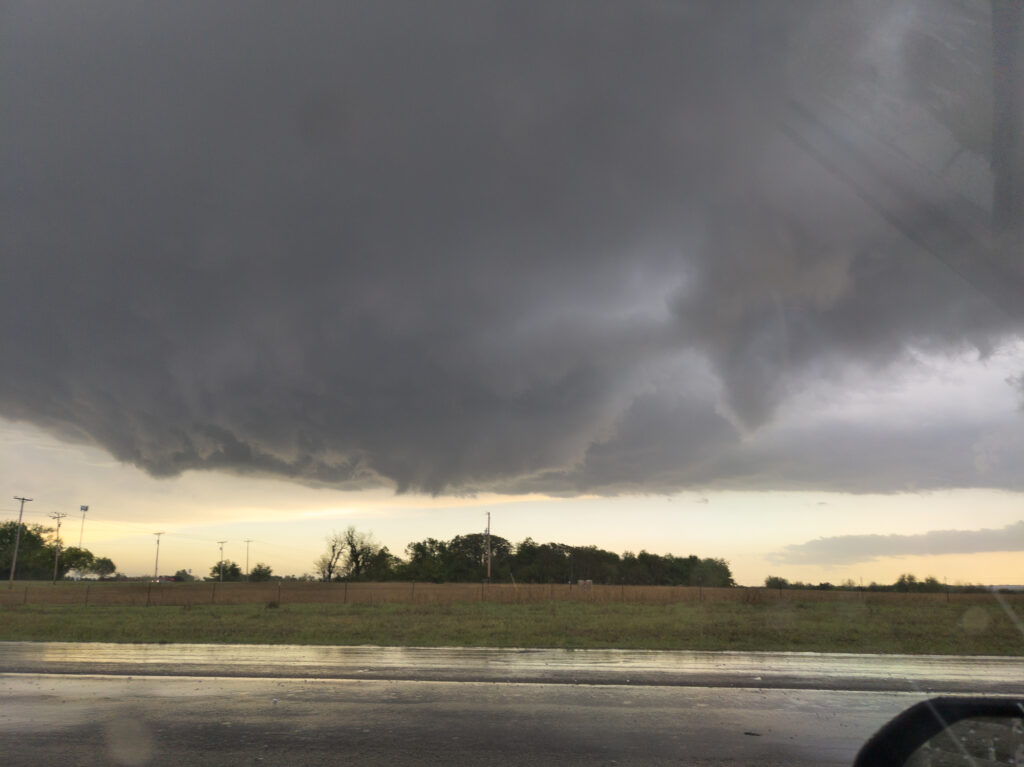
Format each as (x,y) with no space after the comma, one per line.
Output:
(201,705)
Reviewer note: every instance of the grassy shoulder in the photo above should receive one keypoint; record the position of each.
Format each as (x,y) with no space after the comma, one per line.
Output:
(800,626)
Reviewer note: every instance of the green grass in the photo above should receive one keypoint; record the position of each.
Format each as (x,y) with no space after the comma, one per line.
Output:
(976,629)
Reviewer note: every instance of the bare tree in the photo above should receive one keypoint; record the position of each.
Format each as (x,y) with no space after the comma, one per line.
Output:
(359,550)
(327,563)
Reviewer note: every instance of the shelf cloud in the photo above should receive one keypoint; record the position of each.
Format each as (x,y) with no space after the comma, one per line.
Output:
(455,246)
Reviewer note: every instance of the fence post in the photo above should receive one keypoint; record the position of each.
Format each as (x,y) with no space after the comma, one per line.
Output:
(279,592)
(148,592)
(24,599)
(87,595)
(213,594)
(412,592)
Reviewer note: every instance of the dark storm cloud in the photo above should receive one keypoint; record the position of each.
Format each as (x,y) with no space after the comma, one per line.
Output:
(461,245)
(850,549)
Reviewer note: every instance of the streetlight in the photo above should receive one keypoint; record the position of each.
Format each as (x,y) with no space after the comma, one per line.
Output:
(221,563)
(156,564)
(247,542)
(81,529)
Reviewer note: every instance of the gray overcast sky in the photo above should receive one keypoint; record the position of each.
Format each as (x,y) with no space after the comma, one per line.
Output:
(558,247)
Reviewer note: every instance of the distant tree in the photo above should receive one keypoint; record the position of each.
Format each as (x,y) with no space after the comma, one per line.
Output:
(906,582)
(382,566)
(35,558)
(931,584)
(225,570)
(184,576)
(426,561)
(358,549)
(776,582)
(712,571)
(260,572)
(36,550)
(103,567)
(546,562)
(327,563)
(74,558)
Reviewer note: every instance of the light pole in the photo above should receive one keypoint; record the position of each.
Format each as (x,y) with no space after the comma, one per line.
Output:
(81,529)
(221,563)
(17,539)
(156,564)
(247,542)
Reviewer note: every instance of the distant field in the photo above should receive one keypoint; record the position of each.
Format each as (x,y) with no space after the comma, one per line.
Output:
(978,627)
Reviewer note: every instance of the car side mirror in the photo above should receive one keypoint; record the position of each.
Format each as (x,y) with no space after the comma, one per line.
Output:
(950,731)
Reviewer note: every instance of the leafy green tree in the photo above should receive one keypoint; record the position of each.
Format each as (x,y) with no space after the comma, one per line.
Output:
(225,570)
(382,566)
(36,550)
(543,562)
(712,571)
(74,558)
(906,582)
(260,572)
(184,576)
(103,567)
(35,557)
(776,582)
(426,561)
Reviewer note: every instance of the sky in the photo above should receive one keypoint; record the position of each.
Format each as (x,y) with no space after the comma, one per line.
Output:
(709,278)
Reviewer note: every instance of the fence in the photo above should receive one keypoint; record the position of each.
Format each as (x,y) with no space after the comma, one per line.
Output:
(212,592)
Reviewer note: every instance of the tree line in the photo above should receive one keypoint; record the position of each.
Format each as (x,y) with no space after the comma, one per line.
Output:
(352,555)
(906,583)
(37,552)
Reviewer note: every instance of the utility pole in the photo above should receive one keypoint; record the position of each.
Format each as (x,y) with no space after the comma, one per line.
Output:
(81,530)
(488,547)
(247,542)
(221,563)
(56,550)
(156,564)
(17,539)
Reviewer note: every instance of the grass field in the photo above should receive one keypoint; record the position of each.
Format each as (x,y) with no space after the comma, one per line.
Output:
(978,628)
(111,593)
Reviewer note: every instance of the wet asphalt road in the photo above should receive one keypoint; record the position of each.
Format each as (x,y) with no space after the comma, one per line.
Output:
(327,713)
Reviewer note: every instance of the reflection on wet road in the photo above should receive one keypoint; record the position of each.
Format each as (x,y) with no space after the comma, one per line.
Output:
(98,704)
(635,667)
(86,720)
